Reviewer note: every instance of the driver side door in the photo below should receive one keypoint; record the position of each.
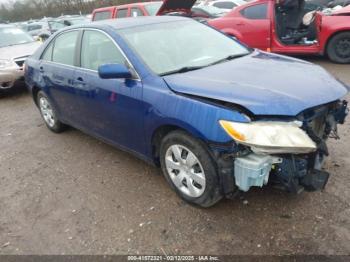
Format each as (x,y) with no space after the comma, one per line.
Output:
(111,109)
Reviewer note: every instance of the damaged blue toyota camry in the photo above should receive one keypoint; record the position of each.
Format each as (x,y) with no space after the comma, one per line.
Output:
(217,117)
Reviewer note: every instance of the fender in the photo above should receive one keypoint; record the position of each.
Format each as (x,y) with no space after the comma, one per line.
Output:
(332,25)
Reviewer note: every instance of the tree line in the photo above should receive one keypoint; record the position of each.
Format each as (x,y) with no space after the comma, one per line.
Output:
(23,10)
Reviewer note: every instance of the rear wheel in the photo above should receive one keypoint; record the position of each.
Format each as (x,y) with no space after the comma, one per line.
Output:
(48,114)
(189,169)
(338,48)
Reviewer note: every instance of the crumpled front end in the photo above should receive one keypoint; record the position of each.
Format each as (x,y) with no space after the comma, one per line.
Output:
(292,168)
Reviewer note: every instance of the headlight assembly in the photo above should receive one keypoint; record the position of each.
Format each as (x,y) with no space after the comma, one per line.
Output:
(270,137)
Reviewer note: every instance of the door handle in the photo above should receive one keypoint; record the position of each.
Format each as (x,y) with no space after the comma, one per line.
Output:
(240,23)
(80,83)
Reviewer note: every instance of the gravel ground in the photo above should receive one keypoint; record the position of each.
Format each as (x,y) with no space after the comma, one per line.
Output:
(71,194)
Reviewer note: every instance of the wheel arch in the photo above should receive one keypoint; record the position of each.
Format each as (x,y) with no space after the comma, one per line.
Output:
(35,90)
(163,130)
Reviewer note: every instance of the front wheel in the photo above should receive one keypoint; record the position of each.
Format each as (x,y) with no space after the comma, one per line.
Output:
(338,49)
(189,169)
(48,114)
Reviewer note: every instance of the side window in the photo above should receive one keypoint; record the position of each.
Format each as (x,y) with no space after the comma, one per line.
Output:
(121,13)
(102,15)
(255,12)
(47,56)
(135,11)
(98,49)
(64,49)
(225,5)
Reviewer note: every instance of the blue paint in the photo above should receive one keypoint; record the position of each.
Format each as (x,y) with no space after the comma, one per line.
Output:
(127,113)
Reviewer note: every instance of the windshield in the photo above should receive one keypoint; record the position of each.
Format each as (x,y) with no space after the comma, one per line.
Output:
(171,46)
(152,9)
(13,36)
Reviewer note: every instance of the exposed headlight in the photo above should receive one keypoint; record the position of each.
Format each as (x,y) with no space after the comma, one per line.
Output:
(4,63)
(271,137)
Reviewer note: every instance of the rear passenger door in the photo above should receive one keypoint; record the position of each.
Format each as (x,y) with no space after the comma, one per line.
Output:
(57,69)
(110,108)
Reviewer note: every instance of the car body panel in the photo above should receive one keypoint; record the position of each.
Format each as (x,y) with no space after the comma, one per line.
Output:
(327,26)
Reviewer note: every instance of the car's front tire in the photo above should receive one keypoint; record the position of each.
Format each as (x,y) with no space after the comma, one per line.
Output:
(339,48)
(49,114)
(189,169)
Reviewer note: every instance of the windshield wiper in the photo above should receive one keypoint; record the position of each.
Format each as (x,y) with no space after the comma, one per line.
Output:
(182,70)
(228,58)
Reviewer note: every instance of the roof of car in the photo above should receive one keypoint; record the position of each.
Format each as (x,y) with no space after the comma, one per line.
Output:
(123,23)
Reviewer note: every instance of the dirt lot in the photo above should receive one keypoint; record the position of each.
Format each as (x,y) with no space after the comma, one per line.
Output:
(71,194)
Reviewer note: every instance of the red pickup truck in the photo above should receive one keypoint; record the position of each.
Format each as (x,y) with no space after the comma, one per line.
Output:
(144,9)
(281,26)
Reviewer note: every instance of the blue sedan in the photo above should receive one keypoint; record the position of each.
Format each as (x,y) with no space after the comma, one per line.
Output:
(216,116)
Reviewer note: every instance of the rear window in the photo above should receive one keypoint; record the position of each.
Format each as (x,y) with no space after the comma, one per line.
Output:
(255,12)
(102,15)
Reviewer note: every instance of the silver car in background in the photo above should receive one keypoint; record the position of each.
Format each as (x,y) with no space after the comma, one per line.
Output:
(15,46)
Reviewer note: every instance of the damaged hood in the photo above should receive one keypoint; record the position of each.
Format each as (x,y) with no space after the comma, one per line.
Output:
(265,84)
(174,6)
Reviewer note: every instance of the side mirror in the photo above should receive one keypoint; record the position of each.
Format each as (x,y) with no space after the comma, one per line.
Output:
(114,71)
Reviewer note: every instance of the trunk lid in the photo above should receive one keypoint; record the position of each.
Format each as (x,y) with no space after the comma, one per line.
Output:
(174,6)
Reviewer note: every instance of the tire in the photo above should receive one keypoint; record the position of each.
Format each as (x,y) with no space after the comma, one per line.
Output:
(338,49)
(48,113)
(196,180)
